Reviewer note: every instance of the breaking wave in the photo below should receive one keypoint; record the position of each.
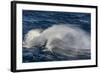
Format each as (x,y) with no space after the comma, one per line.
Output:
(61,39)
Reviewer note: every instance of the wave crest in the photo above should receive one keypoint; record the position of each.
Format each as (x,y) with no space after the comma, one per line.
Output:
(59,39)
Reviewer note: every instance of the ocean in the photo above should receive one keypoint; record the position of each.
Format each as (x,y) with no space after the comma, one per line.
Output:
(44,19)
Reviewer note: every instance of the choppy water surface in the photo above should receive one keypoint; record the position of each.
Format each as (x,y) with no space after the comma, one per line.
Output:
(48,26)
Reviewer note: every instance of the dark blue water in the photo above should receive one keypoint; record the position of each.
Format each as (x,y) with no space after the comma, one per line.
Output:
(45,19)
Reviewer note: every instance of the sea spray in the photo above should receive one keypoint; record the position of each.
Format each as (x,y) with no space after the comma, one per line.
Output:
(61,39)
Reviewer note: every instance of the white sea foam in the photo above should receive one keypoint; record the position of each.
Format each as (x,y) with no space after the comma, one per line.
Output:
(29,37)
(60,39)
